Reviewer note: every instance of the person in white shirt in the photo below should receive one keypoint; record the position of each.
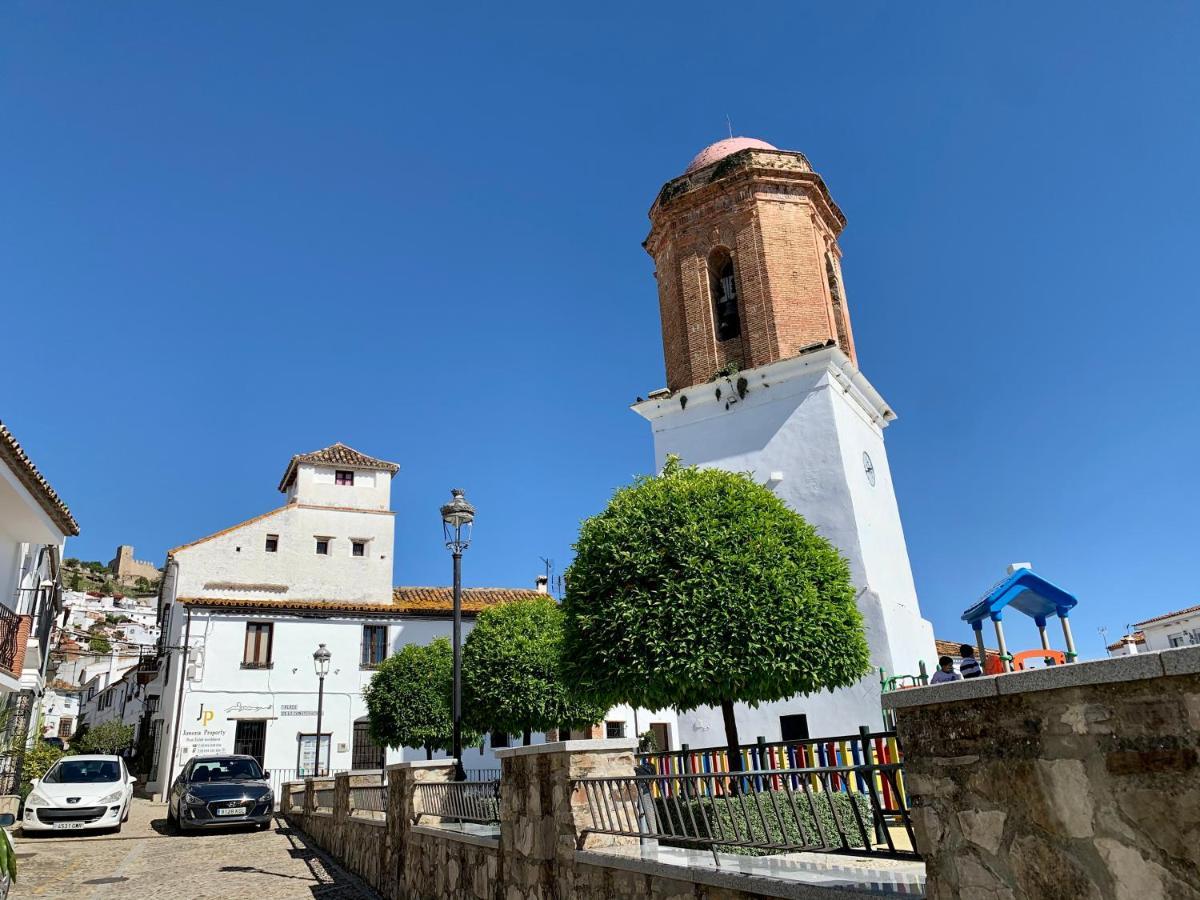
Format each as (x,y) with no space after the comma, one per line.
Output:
(945,672)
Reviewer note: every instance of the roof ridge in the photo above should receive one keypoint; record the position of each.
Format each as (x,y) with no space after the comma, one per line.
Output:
(35,482)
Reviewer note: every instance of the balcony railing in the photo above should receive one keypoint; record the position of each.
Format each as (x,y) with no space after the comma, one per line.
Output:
(13,640)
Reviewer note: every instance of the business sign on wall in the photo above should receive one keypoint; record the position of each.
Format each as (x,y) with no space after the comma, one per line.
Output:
(203,735)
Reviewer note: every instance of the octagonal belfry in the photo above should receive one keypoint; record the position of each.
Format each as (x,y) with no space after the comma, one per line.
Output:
(746,256)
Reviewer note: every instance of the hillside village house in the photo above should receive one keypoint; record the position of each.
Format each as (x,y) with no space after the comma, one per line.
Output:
(34,527)
(1180,628)
(242,611)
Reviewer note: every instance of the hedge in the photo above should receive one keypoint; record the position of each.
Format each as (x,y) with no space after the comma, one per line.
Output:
(713,817)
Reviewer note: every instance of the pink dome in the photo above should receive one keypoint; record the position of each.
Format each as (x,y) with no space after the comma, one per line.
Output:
(722,149)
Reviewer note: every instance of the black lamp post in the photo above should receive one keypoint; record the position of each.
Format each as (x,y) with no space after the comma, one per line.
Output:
(458,516)
(321,664)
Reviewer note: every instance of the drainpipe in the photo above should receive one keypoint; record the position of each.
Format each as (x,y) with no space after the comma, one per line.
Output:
(187,633)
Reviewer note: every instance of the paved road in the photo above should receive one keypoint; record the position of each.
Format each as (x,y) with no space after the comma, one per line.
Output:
(147,861)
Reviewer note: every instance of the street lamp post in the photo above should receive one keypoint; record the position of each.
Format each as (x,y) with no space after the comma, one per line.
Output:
(458,517)
(321,664)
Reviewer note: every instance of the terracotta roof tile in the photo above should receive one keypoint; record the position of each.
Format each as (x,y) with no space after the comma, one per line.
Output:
(335,455)
(406,601)
(1138,638)
(441,599)
(27,473)
(950,648)
(1170,615)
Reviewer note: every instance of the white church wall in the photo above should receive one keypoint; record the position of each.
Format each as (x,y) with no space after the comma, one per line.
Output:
(802,429)
(215,567)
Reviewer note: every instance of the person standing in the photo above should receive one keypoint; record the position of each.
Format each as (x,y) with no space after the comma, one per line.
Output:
(969,667)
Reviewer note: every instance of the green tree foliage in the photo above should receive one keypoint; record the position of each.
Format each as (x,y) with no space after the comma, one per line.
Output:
(112,736)
(99,643)
(39,758)
(699,587)
(512,672)
(408,698)
(76,582)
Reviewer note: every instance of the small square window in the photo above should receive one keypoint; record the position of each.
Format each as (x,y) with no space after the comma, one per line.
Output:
(272,543)
(614,730)
(322,546)
(343,476)
(358,548)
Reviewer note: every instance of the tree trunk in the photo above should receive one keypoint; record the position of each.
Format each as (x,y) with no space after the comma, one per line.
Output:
(528,737)
(428,752)
(731,736)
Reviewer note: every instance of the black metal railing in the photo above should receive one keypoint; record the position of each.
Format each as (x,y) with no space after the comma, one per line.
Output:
(832,809)
(482,774)
(459,801)
(10,628)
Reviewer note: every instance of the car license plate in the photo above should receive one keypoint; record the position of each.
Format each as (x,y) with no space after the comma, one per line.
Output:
(62,826)
(232,811)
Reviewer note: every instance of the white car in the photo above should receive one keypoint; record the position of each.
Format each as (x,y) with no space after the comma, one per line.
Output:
(80,792)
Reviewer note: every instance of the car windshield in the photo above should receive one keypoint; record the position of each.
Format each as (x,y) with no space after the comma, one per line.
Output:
(84,771)
(229,768)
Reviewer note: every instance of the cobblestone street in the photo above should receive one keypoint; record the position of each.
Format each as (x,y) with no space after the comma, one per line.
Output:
(146,860)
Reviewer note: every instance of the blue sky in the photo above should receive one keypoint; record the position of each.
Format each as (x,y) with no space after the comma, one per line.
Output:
(230,233)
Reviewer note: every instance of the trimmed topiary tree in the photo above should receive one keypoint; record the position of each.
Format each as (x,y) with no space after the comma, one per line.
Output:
(699,587)
(408,699)
(512,672)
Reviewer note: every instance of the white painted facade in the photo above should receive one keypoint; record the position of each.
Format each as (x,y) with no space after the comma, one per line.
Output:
(59,714)
(1178,629)
(206,698)
(811,429)
(32,541)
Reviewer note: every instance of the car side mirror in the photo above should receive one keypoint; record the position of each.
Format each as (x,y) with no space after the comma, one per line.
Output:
(7,820)
(34,782)
(266,775)
(133,779)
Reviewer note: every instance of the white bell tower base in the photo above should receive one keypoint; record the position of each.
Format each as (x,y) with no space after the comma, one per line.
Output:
(811,429)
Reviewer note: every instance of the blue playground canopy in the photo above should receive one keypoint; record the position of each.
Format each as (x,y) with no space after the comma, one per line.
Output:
(1024,591)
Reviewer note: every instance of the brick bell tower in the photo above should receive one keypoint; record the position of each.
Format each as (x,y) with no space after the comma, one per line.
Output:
(746,256)
(762,377)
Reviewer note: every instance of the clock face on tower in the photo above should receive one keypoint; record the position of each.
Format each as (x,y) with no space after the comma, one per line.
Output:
(869,468)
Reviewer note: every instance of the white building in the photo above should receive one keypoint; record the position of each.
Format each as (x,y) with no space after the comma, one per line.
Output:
(762,378)
(59,713)
(1174,629)
(34,526)
(252,603)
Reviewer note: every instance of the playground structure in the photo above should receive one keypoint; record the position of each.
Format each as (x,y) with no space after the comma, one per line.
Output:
(1029,593)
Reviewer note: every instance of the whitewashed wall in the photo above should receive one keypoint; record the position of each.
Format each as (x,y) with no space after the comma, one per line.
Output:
(809,421)
(215,567)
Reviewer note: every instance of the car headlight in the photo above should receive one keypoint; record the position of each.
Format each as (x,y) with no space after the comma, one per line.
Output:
(266,798)
(37,799)
(191,798)
(111,798)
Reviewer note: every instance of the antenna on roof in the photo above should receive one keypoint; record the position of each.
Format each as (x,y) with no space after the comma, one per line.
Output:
(729,122)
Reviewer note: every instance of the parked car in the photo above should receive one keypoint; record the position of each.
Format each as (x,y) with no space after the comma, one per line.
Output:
(92,791)
(214,791)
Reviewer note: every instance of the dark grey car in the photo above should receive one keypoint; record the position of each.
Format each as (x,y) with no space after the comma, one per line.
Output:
(213,791)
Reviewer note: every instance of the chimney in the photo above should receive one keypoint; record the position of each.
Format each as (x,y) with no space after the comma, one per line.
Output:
(542,584)
(1013,567)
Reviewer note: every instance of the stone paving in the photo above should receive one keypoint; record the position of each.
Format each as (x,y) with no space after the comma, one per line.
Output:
(147,860)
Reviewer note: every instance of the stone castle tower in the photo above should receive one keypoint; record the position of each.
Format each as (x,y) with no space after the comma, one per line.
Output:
(762,377)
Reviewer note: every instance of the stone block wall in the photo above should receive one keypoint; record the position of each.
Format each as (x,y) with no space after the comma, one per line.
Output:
(537,856)
(1079,782)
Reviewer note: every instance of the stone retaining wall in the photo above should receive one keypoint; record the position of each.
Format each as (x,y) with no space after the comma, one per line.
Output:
(1078,781)
(542,852)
